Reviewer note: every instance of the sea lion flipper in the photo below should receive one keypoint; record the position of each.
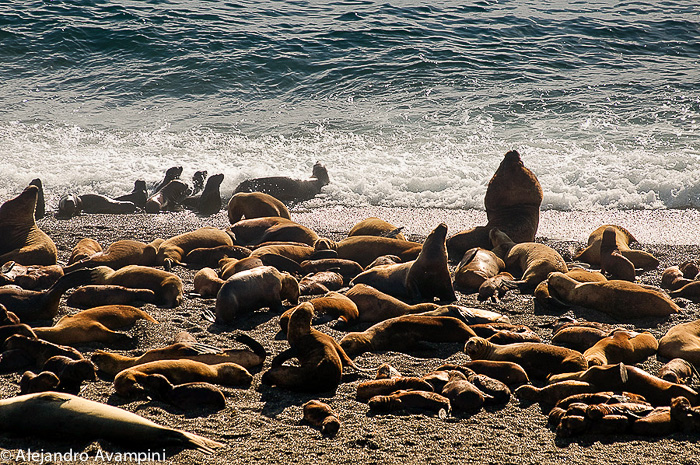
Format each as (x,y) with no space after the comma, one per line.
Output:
(623,373)
(284,356)
(200,348)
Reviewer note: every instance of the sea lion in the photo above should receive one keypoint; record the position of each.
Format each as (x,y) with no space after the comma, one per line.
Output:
(127,383)
(333,304)
(71,373)
(611,259)
(689,291)
(250,205)
(253,356)
(544,296)
(365,249)
(211,256)
(42,382)
(623,238)
(411,400)
(31,277)
(138,195)
(509,373)
(297,253)
(16,328)
(198,179)
(620,299)
(43,305)
(374,306)
(579,338)
(40,210)
(468,315)
(539,360)
(683,341)
(320,415)
(94,325)
(552,393)
(251,290)
(207,282)
(672,278)
(404,333)
(622,346)
(98,203)
(186,396)
(320,283)
(530,260)
(39,351)
(231,266)
(384,260)
(382,387)
(172,173)
(85,248)
(287,189)
(321,358)
(209,201)
(347,268)
(21,239)
(95,295)
(513,198)
(173,250)
(69,205)
(256,231)
(167,198)
(677,371)
(496,287)
(119,254)
(476,267)
(374,226)
(167,286)
(61,415)
(463,395)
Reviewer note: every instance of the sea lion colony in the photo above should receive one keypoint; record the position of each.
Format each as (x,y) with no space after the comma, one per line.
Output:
(584,378)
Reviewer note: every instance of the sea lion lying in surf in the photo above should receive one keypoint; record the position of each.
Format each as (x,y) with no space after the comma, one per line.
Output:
(287,189)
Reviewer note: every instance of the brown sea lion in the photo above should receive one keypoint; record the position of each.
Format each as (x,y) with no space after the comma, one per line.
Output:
(43,305)
(254,289)
(320,283)
(623,237)
(677,371)
(31,277)
(375,306)
(12,329)
(382,387)
(231,266)
(374,226)
(386,371)
(365,249)
(539,360)
(98,203)
(40,210)
(672,278)
(404,333)
(611,259)
(167,286)
(39,351)
(477,266)
(411,400)
(689,291)
(321,358)
(347,268)
(207,282)
(512,201)
(176,248)
(119,254)
(256,231)
(21,239)
(85,248)
(496,287)
(167,198)
(579,338)
(320,415)
(552,393)
(172,173)
(7,317)
(71,373)
(682,341)
(509,373)
(253,356)
(298,253)
(600,397)
(463,395)
(127,383)
(531,261)
(138,195)
(287,189)
(250,205)
(65,416)
(94,325)
(620,299)
(209,201)
(95,295)
(622,346)
(545,297)
(333,304)
(45,381)
(186,396)
(211,256)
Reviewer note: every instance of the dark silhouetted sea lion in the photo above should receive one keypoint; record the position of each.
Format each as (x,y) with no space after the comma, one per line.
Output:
(477,266)
(95,295)
(187,396)
(98,203)
(138,196)
(411,400)
(167,198)
(287,189)
(209,201)
(172,173)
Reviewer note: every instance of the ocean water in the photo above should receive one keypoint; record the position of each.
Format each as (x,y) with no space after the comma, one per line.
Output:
(407,103)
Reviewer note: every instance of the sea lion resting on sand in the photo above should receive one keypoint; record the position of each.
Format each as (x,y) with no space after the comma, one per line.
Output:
(186,396)
(375,306)
(682,340)
(173,250)
(256,231)
(320,415)
(167,286)
(167,198)
(118,255)
(333,304)
(138,195)
(21,239)
(365,249)
(512,201)
(622,346)
(476,267)
(611,259)
(677,371)
(287,189)
(374,226)
(623,237)
(30,277)
(250,205)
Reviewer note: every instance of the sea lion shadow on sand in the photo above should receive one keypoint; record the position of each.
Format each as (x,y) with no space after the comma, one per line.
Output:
(246,322)
(172,409)
(276,400)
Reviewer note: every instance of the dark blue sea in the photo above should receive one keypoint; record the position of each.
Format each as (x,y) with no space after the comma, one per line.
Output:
(407,103)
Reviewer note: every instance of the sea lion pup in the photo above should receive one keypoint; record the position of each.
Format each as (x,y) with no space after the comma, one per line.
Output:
(374,226)
(207,282)
(463,395)
(496,287)
(382,387)
(347,268)
(65,416)
(38,351)
(579,338)
(43,305)
(198,179)
(477,266)
(672,278)
(552,393)
(253,356)
(71,373)
(95,295)
(333,304)
(539,360)
(320,415)
(119,254)
(167,198)
(295,252)
(31,277)
(411,400)
(623,238)
(682,341)
(7,317)
(365,249)
(287,189)
(209,201)
(98,203)
(40,210)
(321,359)
(508,373)
(41,382)
(405,333)
(138,196)
(166,286)
(622,346)
(374,306)
(187,396)
(530,260)
(611,260)
(677,371)
(320,283)
(250,205)
(85,248)
(254,289)
(256,231)
(544,296)
(21,239)
(94,325)
(127,383)
(621,299)
(175,249)
(513,198)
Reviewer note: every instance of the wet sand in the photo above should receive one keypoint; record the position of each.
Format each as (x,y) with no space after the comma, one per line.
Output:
(262,424)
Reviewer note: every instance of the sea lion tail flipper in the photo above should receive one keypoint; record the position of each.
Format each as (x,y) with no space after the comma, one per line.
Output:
(254,345)
(208,315)
(393,233)
(623,373)
(200,443)
(281,262)
(75,278)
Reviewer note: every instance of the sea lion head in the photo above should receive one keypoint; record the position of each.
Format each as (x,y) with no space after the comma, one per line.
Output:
(171,293)
(21,208)
(233,374)
(560,284)
(69,206)
(214,181)
(478,348)
(323,243)
(140,185)
(355,344)
(319,172)
(198,180)
(290,288)
(156,386)
(173,172)
(609,241)
(300,320)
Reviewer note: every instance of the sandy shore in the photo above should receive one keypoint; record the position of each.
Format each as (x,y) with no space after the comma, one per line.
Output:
(262,424)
